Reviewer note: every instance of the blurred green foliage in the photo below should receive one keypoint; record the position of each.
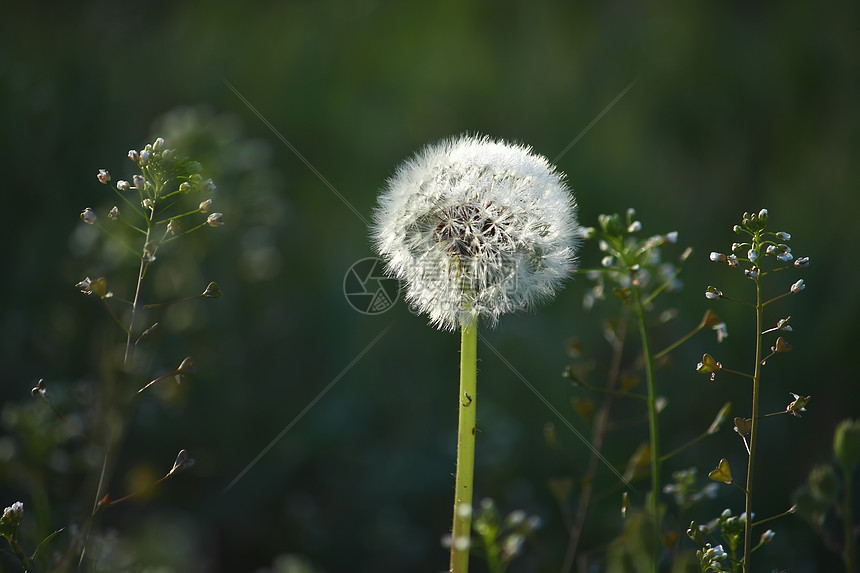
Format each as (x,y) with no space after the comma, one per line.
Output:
(736,107)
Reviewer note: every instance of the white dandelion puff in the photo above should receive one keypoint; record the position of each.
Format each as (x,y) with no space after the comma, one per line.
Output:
(476,228)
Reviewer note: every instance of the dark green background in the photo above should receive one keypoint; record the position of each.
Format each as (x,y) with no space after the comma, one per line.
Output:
(737,106)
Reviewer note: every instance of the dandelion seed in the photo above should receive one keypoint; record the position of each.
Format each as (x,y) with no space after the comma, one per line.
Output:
(476,228)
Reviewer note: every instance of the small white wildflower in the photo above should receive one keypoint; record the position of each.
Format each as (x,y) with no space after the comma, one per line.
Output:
(88,216)
(123,185)
(476,227)
(205,206)
(713,293)
(133,155)
(85,286)
(802,262)
(103,177)
(798,286)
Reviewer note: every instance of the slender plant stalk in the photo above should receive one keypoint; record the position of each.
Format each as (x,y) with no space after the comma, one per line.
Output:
(848,555)
(463,483)
(653,424)
(759,308)
(600,427)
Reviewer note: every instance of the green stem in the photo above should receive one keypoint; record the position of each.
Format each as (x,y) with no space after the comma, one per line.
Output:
(678,342)
(652,423)
(759,307)
(848,555)
(467,403)
(19,553)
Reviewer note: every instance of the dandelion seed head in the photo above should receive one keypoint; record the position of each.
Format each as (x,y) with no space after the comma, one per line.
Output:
(476,228)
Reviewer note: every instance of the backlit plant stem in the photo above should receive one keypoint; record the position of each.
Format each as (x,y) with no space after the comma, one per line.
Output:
(653,423)
(759,309)
(463,485)
(136,305)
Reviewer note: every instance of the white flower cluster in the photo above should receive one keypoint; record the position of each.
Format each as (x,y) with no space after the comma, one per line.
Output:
(476,228)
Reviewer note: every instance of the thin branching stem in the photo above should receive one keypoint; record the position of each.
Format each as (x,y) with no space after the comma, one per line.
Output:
(653,423)
(759,308)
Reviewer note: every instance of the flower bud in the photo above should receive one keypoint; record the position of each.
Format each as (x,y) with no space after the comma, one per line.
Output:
(157,144)
(752,255)
(215,219)
(88,216)
(846,443)
(801,263)
(174,227)
(762,217)
(139,182)
(113,214)
(103,177)
(210,185)
(798,286)
(713,293)
(634,227)
(718,257)
(133,155)
(767,537)
(672,237)
(783,236)
(144,157)
(205,206)
(123,185)
(185,187)
(751,273)
(147,204)
(12,517)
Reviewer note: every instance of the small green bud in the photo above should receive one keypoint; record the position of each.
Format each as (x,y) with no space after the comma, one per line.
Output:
(824,484)
(846,443)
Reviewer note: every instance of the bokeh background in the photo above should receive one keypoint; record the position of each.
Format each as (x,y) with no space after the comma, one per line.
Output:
(735,106)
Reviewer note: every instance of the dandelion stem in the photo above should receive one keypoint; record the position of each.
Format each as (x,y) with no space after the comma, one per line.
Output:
(759,308)
(463,485)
